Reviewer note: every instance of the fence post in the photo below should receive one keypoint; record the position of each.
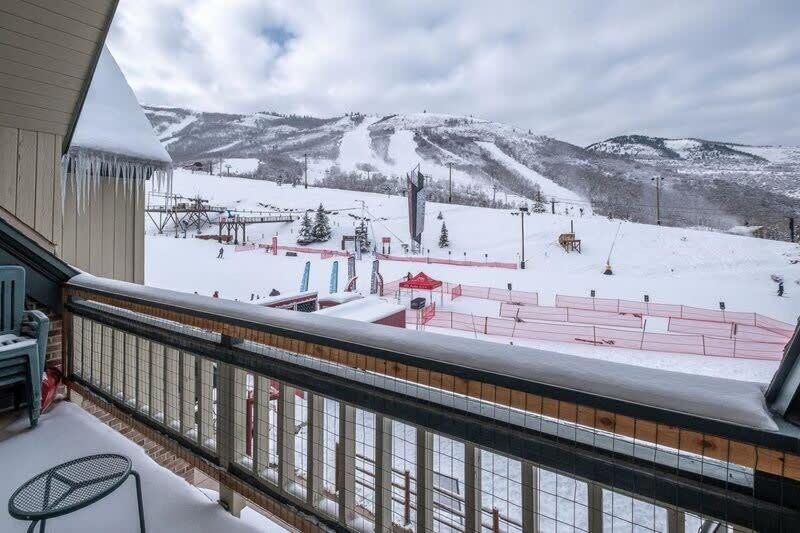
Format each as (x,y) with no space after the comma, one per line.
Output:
(424,480)
(595,508)
(228,498)
(530,498)
(383,473)
(472,489)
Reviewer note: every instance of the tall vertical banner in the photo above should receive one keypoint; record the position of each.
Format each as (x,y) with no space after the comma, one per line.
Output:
(417,196)
(334,285)
(373,280)
(275,245)
(306,273)
(351,271)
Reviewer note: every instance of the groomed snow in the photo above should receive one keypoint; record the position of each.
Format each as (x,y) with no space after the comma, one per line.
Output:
(671,265)
(171,505)
(363,310)
(112,121)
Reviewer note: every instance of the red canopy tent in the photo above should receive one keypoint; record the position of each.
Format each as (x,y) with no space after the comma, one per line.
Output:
(421,281)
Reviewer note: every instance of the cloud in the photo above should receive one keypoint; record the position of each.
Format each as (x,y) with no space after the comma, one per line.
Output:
(581,71)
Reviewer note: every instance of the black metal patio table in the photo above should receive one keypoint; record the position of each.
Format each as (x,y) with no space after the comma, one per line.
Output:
(71,486)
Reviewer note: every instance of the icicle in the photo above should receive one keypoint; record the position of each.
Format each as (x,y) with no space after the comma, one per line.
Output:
(87,167)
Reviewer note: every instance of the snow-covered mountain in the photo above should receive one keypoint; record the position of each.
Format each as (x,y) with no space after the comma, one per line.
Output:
(497,164)
(774,168)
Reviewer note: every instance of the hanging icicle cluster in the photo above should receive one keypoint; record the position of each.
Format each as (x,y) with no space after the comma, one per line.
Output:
(87,167)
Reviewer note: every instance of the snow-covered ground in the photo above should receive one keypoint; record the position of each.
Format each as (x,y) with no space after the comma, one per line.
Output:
(671,265)
(68,432)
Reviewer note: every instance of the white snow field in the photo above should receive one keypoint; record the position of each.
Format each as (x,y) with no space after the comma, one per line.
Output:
(68,432)
(671,265)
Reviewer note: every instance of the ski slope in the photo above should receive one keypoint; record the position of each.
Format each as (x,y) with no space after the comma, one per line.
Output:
(671,265)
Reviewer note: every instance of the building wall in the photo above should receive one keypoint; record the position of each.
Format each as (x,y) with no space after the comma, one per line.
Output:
(103,235)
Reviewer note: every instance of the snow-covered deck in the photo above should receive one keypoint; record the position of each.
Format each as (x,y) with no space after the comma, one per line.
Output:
(170,503)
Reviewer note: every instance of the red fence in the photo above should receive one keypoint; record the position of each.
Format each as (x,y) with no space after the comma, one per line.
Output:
(577,316)
(441,261)
(609,337)
(475,291)
(674,311)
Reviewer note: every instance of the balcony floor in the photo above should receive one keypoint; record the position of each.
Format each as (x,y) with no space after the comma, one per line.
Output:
(171,504)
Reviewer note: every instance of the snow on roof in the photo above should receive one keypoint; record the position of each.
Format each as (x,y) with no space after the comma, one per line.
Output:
(342,297)
(270,301)
(112,120)
(363,310)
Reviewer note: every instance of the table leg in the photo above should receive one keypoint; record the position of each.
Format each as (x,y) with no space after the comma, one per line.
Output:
(33,526)
(135,475)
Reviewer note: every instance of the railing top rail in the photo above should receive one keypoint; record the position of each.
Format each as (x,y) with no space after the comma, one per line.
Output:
(723,407)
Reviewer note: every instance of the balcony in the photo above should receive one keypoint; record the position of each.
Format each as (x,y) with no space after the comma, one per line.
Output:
(330,424)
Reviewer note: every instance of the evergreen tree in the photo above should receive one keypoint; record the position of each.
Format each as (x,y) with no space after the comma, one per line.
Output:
(322,226)
(538,206)
(304,236)
(362,236)
(444,240)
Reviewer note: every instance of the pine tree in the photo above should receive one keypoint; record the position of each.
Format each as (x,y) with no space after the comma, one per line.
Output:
(538,206)
(322,226)
(304,236)
(362,236)
(444,240)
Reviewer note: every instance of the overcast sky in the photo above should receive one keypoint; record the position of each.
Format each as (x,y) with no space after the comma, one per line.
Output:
(580,72)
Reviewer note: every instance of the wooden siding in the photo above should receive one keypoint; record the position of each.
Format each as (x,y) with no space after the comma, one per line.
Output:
(47,52)
(105,236)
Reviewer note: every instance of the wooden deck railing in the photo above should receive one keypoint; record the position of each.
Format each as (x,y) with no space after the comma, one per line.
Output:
(332,398)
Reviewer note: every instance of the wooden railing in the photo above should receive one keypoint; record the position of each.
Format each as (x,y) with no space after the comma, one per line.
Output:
(333,398)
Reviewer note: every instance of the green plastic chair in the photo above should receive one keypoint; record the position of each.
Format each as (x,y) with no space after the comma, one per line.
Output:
(23,340)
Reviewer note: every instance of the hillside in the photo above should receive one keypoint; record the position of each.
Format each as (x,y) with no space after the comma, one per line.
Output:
(495,164)
(772,168)
(670,265)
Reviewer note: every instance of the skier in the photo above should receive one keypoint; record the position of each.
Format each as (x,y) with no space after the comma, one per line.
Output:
(581,210)
(221,251)
(215,295)
(780,288)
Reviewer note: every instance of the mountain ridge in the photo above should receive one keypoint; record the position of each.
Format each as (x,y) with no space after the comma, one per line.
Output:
(707,183)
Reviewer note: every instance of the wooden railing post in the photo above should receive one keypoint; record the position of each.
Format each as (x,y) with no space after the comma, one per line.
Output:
(383,473)
(286,434)
(346,463)
(424,480)
(316,448)
(595,508)
(530,498)
(228,498)
(472,489)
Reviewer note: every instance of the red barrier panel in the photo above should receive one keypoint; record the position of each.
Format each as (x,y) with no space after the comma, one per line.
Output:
(774,325)
(702,327)
(441,261)
(563,314)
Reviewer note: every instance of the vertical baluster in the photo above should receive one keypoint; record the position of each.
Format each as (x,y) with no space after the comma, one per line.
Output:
(106,358)
(88,347)
(144,370)
(240,417)
(118,364)
(347,462)
(157,396)
(530,498)
(261,425)
(595,508)
(98,350)
(187,383)
(676,521)
(424,480)
(77,345)
(286,432)
(383,473)
(316,448)
(208,437)
(172,388)
(129,369)
(473,500)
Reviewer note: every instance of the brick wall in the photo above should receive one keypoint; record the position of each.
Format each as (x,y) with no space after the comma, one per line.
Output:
(54,336)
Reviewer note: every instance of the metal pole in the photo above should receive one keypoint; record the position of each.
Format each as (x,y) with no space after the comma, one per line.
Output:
(305,157)
(791,229)
(522,219)
(450,187)
(658,200)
